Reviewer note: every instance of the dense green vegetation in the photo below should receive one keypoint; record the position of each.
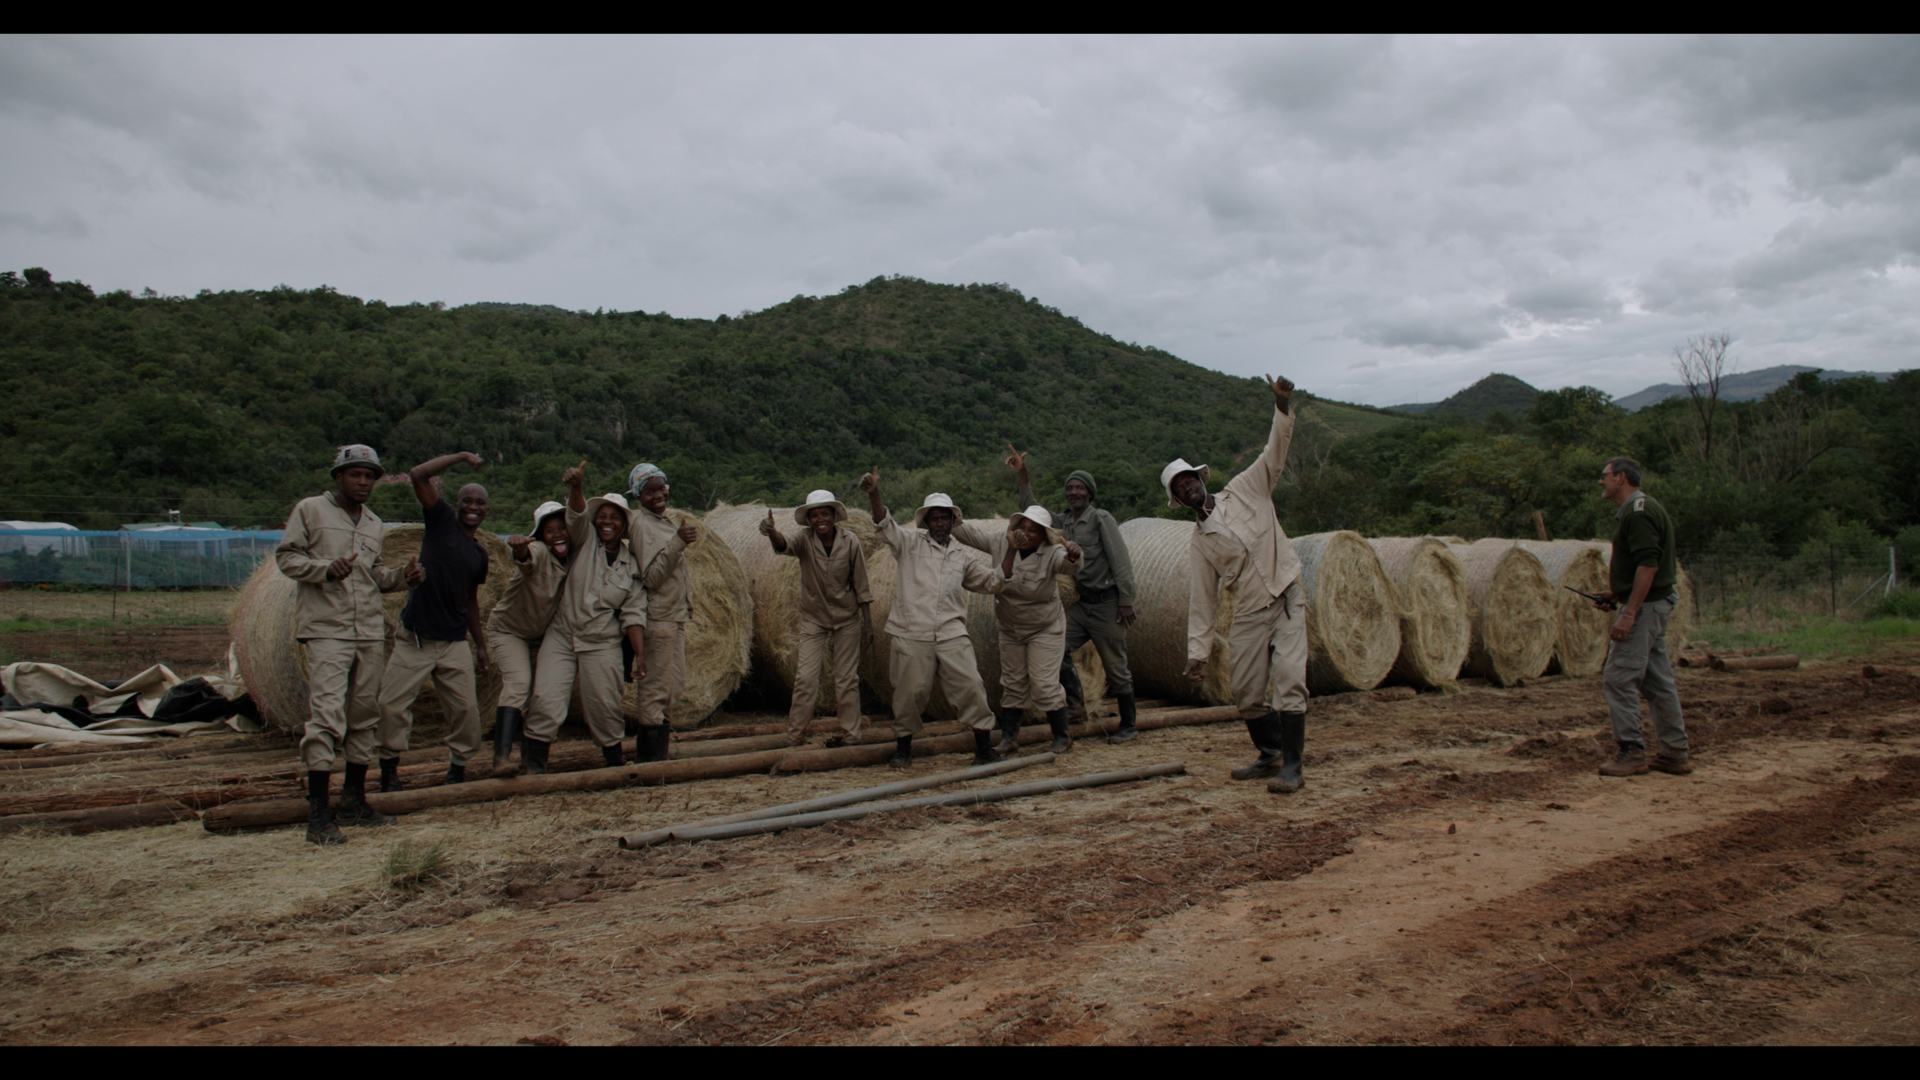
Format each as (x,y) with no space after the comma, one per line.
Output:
(227,406)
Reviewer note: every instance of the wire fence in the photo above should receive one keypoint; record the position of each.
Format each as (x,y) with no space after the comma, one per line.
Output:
(182,558)
(1833,579)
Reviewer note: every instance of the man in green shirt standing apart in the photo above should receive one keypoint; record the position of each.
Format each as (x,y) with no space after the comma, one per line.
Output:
(1644,574)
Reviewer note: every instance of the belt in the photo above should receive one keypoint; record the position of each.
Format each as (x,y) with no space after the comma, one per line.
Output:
(1099,596)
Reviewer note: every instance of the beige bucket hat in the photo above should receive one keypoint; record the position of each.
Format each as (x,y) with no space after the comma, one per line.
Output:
(1037,514)
(1175,468)
(822,497)
(541,513)
(938,500)
(609,499)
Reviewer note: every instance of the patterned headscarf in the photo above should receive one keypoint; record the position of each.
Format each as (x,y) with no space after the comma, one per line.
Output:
(642,473)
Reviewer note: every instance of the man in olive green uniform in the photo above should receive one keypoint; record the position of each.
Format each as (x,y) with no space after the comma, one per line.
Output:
(835,612)
(1644,574)
(660,547)
(332,548)
(1105,584)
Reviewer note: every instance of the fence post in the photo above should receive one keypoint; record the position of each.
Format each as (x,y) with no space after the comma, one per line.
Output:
(1833,583)
(1893,572)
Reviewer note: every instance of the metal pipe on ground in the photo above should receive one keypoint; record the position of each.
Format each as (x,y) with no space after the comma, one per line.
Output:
(852,756)
(958,798)
(829,802)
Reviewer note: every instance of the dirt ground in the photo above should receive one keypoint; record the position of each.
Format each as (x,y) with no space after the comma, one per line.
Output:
(1455,872)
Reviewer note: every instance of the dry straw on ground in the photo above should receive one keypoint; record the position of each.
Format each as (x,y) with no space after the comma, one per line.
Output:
(719,633)
(1431,587)
(1510,602)
(1580,644)
(274,665)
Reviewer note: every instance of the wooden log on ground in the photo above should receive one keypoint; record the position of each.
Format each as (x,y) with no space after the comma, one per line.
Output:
(855,756)
(144,754)
(958,798)
(1756,663)
(102,819)
(830,802)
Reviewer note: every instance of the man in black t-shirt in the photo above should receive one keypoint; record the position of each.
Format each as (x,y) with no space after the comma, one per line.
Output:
(442,613)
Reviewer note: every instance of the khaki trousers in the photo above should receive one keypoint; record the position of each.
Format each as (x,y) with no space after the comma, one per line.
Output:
(666,672)
(813,647)
(1095,622)
(513,659)
(450,665)
(1270,648)
(343,701)
(601,686)
(1639,665)
(1030,668)
(915,665)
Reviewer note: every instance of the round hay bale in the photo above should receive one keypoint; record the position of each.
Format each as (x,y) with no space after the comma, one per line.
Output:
(1157,643)
(1511,608)
(719,633)
(1353,620)
(1431,587)
(274,665)
(1580,644)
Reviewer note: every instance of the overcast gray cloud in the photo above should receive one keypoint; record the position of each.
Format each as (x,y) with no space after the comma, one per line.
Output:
(1384,219)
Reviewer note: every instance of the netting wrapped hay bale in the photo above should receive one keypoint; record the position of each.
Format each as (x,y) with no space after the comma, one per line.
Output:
(1511,608)
(1157,643)
(274,665)
(1431,587)
(719,633)
(1580,643)
(1353,620)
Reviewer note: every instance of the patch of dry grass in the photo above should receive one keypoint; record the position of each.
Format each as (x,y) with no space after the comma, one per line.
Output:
(36,609)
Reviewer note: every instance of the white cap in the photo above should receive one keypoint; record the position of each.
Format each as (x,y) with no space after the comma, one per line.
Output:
(1175,468)
(1037,514)
(822,497)
(938,500)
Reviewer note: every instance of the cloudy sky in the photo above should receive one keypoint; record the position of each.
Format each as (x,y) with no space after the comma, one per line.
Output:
(1386,220)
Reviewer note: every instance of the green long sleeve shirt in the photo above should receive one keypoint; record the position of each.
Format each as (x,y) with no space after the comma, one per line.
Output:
(1643,537)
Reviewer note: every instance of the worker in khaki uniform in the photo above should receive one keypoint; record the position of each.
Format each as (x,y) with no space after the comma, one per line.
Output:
(1104,582)
(929,622)
(1644,574)
(835,612)
(601,600)
(1032,624)
(660,547)
(331,546)
(442,613)
(1238,546)
(520,619)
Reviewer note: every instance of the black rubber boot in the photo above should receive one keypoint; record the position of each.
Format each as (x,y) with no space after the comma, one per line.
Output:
(1293,744)
(533,756)
(320,827)
(456,773)
(1010,730)
(1076,694)
(658,740)
(902,753)
(1127,732)
(1265,732)
(506,728)
(353,800)
(1057,722)
(616,756)
(390,774)
(983,748)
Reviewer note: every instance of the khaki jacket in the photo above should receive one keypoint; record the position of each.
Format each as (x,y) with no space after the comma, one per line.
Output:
(661,555)
(318,532)
(532,596)
(833,585)
(927,600)
(597,601)
(1241,545)
(1031,600)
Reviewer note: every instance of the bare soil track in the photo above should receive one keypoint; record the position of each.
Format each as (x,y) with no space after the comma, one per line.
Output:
(1455,872)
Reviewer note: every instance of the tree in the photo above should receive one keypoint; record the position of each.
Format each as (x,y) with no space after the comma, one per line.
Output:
(1702,363)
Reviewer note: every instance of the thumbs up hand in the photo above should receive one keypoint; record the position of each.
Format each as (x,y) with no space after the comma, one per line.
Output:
(766,527)
(416,574)
(870,483)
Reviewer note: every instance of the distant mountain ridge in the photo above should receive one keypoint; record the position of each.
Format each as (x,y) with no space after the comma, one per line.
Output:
(1742,386)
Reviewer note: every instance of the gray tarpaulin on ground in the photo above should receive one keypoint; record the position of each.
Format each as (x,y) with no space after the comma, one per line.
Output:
(32,683)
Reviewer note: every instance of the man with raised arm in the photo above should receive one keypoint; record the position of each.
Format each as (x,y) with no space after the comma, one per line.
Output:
(1239,546)
(1105,584)
(835,616)
(331,547)
(929,622)
(660,547)
(442,613)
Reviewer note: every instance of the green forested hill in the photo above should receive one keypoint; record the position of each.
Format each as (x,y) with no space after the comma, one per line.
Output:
(226,406)
(1495,393)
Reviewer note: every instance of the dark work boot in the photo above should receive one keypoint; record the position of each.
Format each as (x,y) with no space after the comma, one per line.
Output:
(1057,722)
(1293,745)
(390,774)
(983,748)
(1632,761)
(1010,730)
(506,728)
(658,740)
(902,753)
(1265,732)
(353,800)
(616,756)
(1127,732)
(456,772)
(320,827)
(533,756)
(1076,695)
